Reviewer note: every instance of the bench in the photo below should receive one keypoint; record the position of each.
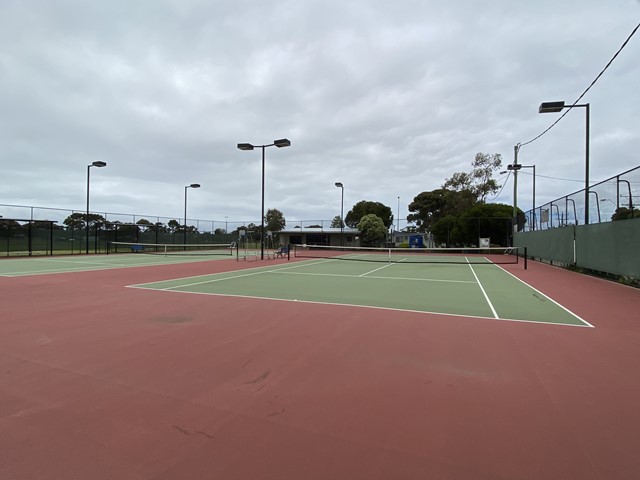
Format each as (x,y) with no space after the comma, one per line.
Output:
(282,251)
(137,248)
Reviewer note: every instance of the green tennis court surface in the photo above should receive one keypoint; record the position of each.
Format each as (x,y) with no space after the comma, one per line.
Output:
(481,290)
(16,267)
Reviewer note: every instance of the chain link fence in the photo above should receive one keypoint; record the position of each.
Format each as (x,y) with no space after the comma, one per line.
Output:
(616,198)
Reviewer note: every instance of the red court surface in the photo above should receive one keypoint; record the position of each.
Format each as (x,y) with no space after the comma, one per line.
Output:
(99,381)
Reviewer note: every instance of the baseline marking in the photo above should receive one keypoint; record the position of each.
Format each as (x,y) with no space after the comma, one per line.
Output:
(355,305)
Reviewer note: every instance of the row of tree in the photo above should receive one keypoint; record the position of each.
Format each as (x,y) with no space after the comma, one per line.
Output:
(445,212)
(455,214)
(78,221)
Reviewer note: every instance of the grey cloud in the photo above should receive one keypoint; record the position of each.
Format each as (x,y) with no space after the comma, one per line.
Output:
(391,99)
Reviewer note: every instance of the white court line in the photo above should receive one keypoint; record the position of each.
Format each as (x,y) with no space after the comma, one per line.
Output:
(52,271)
(482,288)
(586,324)
(82,263)
(355,305)
(376,277)
(303,264)
(214,280)
(251,274)
(376,269)
(74,261)
(281,271)
(90,266)
(82,267)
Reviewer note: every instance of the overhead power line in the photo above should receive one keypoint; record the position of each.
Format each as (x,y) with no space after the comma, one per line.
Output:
(502,188)
(522,172)
(585,92)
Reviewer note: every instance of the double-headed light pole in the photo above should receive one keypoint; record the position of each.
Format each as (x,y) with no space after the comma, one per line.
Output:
(193,185)
(341,187)
(283,142)
(555,107)
(99,164)
(533,207)
(515,167)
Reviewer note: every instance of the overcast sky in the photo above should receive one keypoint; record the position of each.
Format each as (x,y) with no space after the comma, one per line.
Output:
(390,98)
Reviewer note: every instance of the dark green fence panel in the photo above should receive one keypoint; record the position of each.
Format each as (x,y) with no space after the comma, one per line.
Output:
(555,245)
(612,248)
(19,237)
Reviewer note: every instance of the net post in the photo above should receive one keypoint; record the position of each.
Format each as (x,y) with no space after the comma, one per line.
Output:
(289,253)
(108,248)
(525,258)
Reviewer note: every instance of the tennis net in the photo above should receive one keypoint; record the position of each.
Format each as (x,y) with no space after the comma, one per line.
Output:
(173,248)
(471,255)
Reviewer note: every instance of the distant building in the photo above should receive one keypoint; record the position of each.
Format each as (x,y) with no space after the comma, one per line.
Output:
(318,236)
(412,240)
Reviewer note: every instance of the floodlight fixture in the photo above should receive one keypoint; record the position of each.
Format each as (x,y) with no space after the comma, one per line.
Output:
(193,185)
(341,187)
(97,163)
(551,107)
(555,107)
(283,142)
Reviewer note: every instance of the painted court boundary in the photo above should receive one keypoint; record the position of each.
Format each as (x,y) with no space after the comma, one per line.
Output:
(263,270)
(586,324)
(92,266)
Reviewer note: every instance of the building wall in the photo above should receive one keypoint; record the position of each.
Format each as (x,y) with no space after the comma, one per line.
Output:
(302,237)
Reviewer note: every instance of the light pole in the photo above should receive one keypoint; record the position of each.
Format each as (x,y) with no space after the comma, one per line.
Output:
(193,185)
(398,221)
(99,164)
(283,142)
(341,187)
(533,208)
(515,167)
(226,218)
(554,107)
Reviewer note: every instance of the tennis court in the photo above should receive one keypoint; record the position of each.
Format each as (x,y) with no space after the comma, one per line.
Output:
(160,367)
(155,254)
(482,290)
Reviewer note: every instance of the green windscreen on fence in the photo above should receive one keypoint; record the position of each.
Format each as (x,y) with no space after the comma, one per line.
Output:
(612,247)
(605,247)
(553,245)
